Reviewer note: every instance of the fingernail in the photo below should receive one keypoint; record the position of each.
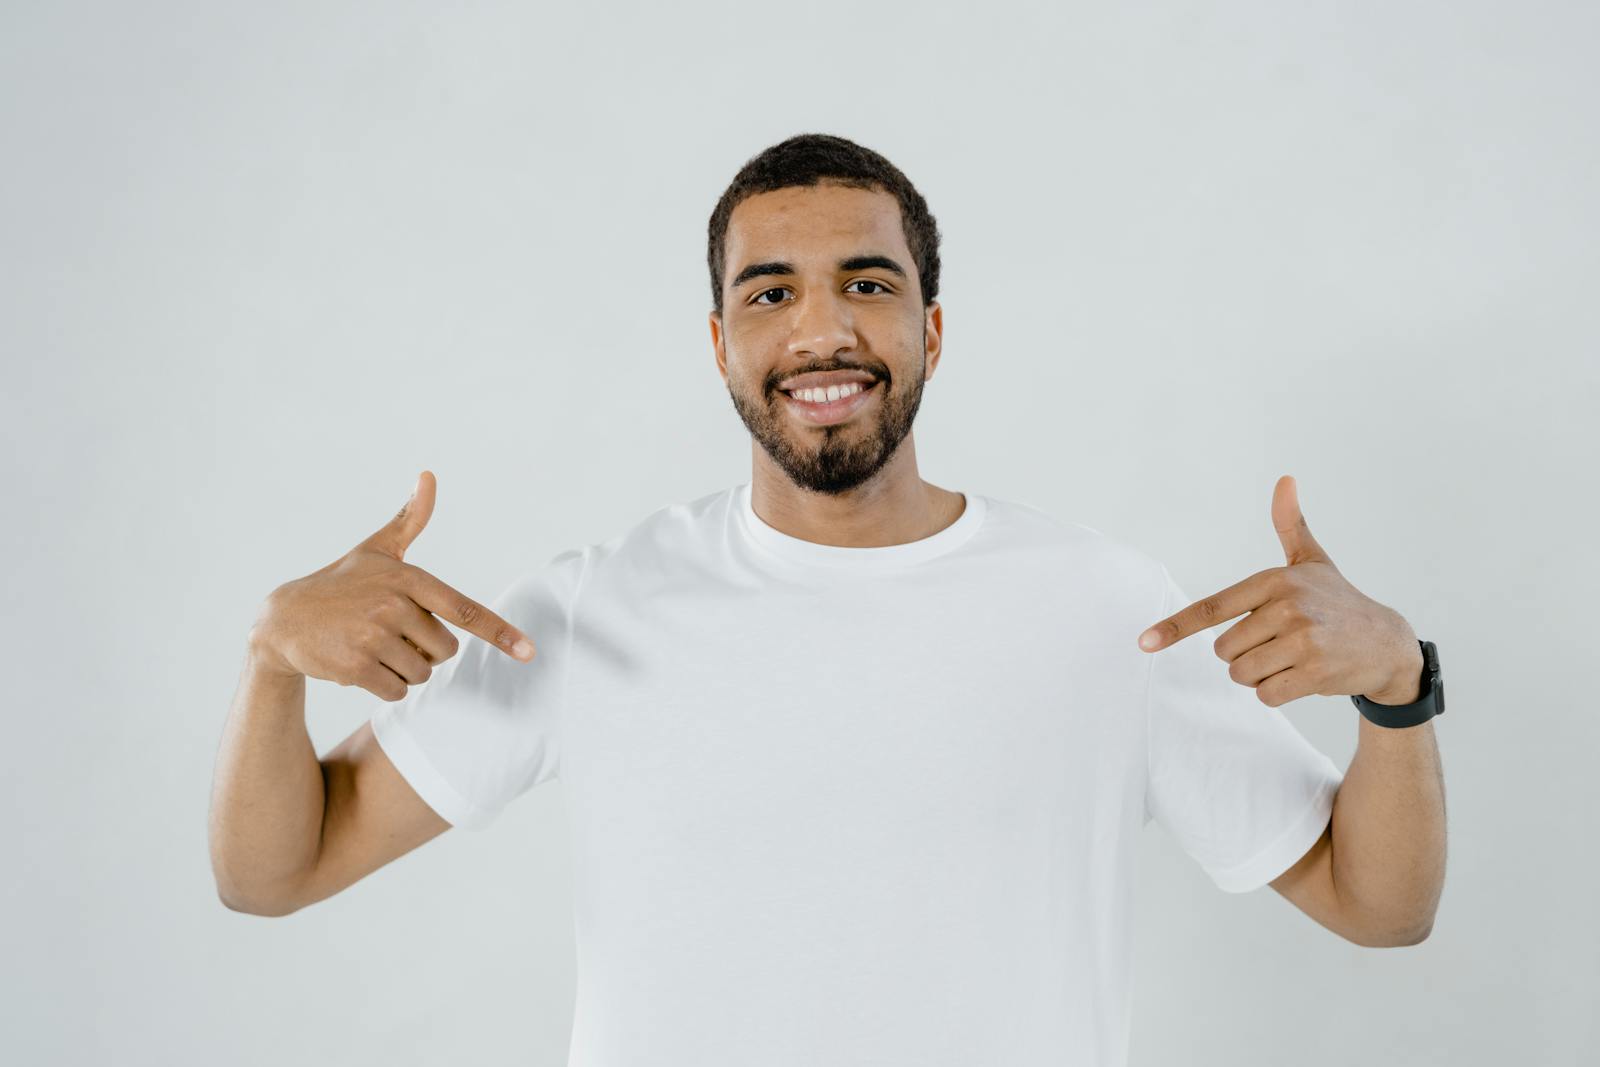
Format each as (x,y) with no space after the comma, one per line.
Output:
(1149,639)
(523,649)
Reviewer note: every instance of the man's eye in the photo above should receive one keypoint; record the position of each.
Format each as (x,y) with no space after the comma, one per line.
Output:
(758,299)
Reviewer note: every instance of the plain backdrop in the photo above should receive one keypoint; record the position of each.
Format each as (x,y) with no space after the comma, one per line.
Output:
(262,264)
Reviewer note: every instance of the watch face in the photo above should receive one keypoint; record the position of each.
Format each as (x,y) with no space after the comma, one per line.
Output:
(1430,664)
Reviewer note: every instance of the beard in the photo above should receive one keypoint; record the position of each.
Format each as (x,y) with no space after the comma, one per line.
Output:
(831,459)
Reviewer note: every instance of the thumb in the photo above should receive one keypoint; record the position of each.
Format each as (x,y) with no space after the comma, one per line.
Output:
(396,535)
(1293,532)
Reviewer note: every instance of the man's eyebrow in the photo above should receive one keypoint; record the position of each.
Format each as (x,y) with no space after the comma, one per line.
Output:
(779,267)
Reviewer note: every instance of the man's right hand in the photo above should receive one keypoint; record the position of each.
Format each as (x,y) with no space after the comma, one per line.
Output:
(368,618)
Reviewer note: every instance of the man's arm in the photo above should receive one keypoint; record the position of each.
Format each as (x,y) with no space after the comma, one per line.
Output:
(267,794)
(1376,874)
(287,829)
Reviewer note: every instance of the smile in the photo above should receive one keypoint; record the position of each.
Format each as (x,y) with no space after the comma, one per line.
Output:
(822,411)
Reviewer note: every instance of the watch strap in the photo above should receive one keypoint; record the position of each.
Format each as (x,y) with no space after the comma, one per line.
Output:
(1429,703)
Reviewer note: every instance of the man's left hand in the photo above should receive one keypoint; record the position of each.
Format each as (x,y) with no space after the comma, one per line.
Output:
(1308,631)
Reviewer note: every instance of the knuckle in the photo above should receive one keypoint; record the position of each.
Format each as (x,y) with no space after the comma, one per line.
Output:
(390,687)
(468,613)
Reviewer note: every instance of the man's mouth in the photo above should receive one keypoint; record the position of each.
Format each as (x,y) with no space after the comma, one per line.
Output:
(822,407)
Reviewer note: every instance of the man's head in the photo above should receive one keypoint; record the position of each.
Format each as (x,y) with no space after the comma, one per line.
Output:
(824,262)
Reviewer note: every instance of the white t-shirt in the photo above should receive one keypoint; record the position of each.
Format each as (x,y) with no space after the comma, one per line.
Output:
(859,805)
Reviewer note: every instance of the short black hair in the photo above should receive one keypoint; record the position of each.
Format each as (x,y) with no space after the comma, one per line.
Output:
(807,159)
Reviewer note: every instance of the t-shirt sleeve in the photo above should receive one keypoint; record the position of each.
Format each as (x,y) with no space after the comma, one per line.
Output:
(485,728)
(1239,787)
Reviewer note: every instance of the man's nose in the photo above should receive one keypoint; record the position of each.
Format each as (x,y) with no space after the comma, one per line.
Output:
(822,326)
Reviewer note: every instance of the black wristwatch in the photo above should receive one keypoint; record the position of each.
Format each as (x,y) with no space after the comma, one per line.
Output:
(1425,707)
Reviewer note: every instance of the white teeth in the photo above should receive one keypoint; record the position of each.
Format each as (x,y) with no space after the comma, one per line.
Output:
(832,392)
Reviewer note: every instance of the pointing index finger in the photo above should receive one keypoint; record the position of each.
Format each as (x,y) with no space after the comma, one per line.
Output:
(461,610)
(1238,598)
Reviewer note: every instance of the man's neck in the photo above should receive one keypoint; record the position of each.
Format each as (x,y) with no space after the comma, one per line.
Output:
(893,508)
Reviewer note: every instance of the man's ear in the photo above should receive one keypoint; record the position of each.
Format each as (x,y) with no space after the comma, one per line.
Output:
(933,338)
(717,344)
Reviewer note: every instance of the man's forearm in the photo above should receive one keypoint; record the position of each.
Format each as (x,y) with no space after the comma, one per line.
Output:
(1389,833)
(268,794)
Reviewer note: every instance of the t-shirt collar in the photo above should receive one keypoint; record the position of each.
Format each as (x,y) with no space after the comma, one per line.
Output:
(799,552)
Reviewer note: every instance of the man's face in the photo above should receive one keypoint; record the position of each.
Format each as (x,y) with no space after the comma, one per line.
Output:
(807,308)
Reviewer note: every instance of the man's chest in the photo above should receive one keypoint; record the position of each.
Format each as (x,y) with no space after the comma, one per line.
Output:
(860,719)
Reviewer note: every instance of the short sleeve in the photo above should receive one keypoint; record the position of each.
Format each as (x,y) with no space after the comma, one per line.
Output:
(1239,787)
(485,728)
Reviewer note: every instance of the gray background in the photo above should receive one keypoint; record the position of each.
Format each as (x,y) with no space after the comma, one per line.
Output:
(264,263)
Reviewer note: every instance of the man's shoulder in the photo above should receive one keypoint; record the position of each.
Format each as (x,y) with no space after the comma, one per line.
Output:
(1082,543)
(667,532)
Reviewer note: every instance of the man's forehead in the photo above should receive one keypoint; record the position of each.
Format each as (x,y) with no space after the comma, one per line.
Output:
(825,218)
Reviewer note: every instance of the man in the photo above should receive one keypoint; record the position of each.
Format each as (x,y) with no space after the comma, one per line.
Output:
(855,763)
